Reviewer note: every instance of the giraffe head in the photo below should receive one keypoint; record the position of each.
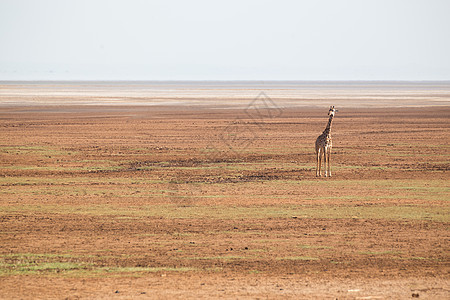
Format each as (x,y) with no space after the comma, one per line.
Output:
(332,111)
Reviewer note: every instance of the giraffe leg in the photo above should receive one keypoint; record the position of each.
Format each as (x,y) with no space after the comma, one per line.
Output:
(329,162)
(317,159)
(319,162)
(325,161)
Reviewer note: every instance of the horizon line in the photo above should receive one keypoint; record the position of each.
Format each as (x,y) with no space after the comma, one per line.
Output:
(224,80)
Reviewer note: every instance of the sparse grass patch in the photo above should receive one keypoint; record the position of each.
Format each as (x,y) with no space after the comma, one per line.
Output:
(28,180)
(28,263)
(224,257)
(143,269)
(238,232)
(62,168)
(297,258)
(318,247)
(420,258)
(42,151)
(69,265)
(432,213)
(30,268)
(388,252)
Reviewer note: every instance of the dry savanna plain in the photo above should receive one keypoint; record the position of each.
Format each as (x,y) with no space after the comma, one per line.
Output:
(152,190)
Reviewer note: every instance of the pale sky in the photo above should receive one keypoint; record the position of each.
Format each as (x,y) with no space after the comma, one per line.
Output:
(225,40)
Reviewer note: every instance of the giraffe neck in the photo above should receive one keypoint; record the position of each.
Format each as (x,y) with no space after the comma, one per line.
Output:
(328,128)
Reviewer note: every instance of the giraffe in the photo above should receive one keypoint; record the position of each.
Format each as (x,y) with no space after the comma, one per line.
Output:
(323,146)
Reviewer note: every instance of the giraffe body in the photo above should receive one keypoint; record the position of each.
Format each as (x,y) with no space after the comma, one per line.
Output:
(324,144)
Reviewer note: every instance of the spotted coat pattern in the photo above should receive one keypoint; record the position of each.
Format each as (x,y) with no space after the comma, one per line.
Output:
(324,144)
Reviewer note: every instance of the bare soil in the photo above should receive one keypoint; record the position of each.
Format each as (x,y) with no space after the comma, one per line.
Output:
(170,202)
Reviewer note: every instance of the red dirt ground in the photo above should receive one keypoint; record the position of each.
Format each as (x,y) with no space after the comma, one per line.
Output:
(162,202)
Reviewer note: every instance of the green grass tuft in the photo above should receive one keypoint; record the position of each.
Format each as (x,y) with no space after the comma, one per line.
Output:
(297,258)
